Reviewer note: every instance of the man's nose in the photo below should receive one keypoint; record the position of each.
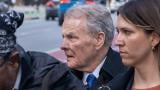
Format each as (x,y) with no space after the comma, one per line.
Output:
(64,44)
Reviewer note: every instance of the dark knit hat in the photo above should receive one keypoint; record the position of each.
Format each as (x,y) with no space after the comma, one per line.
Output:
(9,22)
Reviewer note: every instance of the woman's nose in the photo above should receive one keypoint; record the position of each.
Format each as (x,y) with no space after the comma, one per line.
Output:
(119,40)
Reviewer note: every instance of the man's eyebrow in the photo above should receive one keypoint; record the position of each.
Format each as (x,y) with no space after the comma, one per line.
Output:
(70,33)
(67,34)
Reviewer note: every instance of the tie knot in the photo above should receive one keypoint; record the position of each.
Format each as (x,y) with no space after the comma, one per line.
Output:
(90,81)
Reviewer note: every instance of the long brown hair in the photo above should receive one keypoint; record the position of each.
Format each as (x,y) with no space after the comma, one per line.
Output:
(144,14)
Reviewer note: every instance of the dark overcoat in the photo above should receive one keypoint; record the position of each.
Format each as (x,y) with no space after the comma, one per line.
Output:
(122,81)
(111,67)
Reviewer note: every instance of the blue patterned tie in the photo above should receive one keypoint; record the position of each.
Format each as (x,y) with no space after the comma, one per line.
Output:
(90,81)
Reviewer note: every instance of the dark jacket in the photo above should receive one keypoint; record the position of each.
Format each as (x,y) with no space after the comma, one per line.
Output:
(111,67)
(122,81)
(43,72)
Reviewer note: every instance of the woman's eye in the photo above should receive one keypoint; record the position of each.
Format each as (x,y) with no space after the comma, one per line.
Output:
(127,32)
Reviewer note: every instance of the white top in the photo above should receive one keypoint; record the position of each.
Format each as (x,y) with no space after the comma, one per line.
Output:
(18,79)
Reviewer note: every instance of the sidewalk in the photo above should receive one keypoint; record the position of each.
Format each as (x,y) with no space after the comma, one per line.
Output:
(31,12)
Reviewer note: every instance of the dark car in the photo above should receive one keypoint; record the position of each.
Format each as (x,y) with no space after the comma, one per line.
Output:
(66,4)
(51,9)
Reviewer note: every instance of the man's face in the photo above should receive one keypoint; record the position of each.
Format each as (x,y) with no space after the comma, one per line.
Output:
(78,44)
(8,71)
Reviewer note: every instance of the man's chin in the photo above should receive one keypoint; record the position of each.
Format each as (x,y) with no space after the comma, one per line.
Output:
(71,65)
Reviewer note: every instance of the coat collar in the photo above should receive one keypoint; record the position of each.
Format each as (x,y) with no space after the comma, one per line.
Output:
(25,66)
(126,77)
(113,59)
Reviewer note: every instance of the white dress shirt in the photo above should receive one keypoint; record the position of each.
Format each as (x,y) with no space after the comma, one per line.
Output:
(95,72)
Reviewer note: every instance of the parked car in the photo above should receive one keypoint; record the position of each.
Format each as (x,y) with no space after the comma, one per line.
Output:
(66,4)
(102,2)
(51,9)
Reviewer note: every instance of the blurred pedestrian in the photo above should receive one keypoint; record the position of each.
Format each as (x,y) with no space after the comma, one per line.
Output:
(87,36)
(37,4)
(13,2)
(138,39)
(29,70)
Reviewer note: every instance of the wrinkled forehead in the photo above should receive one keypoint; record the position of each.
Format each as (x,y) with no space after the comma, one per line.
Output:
(74,25)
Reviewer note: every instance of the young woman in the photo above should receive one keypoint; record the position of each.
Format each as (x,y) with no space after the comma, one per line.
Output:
(138,39)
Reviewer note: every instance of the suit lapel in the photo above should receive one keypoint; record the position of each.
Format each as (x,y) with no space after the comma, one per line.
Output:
(113,59)
(108,70)
(25,66)
(78,74)
(26,74)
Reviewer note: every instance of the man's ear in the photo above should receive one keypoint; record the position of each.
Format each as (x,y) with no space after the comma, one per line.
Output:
(100,39)
(14,60)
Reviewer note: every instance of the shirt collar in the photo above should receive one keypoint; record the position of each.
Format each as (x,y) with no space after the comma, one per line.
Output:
(18,79)
(95,72)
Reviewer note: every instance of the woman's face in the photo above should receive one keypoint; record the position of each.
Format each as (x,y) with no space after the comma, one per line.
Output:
(134,45)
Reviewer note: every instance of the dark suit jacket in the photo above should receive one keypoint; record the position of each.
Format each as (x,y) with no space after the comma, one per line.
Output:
(111,67)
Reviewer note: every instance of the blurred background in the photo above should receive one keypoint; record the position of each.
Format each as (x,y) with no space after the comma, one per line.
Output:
(50,9)
(41,30)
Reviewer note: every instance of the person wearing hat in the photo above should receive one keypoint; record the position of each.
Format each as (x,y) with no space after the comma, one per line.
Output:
(29,70)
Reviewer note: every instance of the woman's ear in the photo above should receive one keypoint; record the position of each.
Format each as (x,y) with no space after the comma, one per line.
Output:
(155,39)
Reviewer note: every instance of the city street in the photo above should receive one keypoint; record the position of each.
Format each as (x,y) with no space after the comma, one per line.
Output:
(39,35)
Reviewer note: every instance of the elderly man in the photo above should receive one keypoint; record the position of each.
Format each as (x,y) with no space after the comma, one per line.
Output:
(20,70)
(87,36)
